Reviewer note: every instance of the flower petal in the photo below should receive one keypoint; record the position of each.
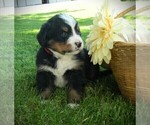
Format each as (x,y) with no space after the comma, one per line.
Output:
(117,38)
(110,44)
(109,55)
(106,60)
(105,51)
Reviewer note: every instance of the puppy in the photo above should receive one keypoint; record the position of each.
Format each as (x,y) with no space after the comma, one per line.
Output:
(61,61)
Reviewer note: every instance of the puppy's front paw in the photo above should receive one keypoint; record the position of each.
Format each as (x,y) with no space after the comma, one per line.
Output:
(73,105)
(46,93)
(74,97)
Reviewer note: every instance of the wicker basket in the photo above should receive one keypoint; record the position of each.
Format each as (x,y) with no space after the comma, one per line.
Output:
(123,64)
(123,67)
(131,72)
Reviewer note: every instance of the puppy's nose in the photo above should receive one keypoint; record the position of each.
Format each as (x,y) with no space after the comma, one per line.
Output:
(78,44)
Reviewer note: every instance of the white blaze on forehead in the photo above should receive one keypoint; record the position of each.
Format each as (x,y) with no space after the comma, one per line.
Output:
(74,38)
(68,19)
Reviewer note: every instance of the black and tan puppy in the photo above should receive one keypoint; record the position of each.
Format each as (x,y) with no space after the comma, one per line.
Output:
(61,60)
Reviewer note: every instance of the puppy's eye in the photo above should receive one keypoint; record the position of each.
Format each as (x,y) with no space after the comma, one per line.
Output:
(64,34)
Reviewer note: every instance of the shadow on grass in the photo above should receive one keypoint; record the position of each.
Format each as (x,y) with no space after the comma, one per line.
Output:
(43,14)
(106,83)
(50,14)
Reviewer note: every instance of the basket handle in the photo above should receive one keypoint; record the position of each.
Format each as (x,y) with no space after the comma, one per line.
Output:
(125,11)
(131,9)
(142,9)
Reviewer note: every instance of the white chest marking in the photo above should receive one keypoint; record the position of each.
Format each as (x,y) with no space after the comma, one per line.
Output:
(63,64)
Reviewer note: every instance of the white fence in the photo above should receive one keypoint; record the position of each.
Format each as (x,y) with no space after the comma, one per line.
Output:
(23,3)
(6,3)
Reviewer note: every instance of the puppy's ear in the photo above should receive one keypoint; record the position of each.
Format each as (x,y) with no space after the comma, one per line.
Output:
(44,34)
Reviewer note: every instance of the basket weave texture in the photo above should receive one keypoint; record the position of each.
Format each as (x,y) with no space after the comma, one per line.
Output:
(123,67)
(131,69)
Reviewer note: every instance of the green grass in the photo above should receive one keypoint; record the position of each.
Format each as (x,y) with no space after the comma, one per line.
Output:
(6,70)
(102,104)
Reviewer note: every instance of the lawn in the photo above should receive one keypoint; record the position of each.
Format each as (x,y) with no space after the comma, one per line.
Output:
(102,105)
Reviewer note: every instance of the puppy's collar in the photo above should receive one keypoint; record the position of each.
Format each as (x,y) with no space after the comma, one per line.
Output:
(48,51)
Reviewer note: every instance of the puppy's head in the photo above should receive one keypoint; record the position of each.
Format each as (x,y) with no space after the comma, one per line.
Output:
(61,33)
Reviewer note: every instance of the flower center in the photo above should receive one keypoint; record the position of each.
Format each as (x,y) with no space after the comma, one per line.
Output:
(105,32)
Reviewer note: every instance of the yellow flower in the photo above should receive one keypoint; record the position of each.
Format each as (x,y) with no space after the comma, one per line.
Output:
(104,31)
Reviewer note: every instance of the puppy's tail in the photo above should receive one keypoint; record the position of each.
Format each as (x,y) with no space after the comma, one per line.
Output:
(95,72)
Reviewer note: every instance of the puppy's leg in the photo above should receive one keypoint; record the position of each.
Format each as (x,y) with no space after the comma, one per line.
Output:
(45,84)
(75,86)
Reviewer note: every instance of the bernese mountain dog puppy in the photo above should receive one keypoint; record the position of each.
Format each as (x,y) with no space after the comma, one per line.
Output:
(62,61)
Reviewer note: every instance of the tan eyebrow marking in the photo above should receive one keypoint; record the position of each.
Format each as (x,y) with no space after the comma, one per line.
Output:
(65,29)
